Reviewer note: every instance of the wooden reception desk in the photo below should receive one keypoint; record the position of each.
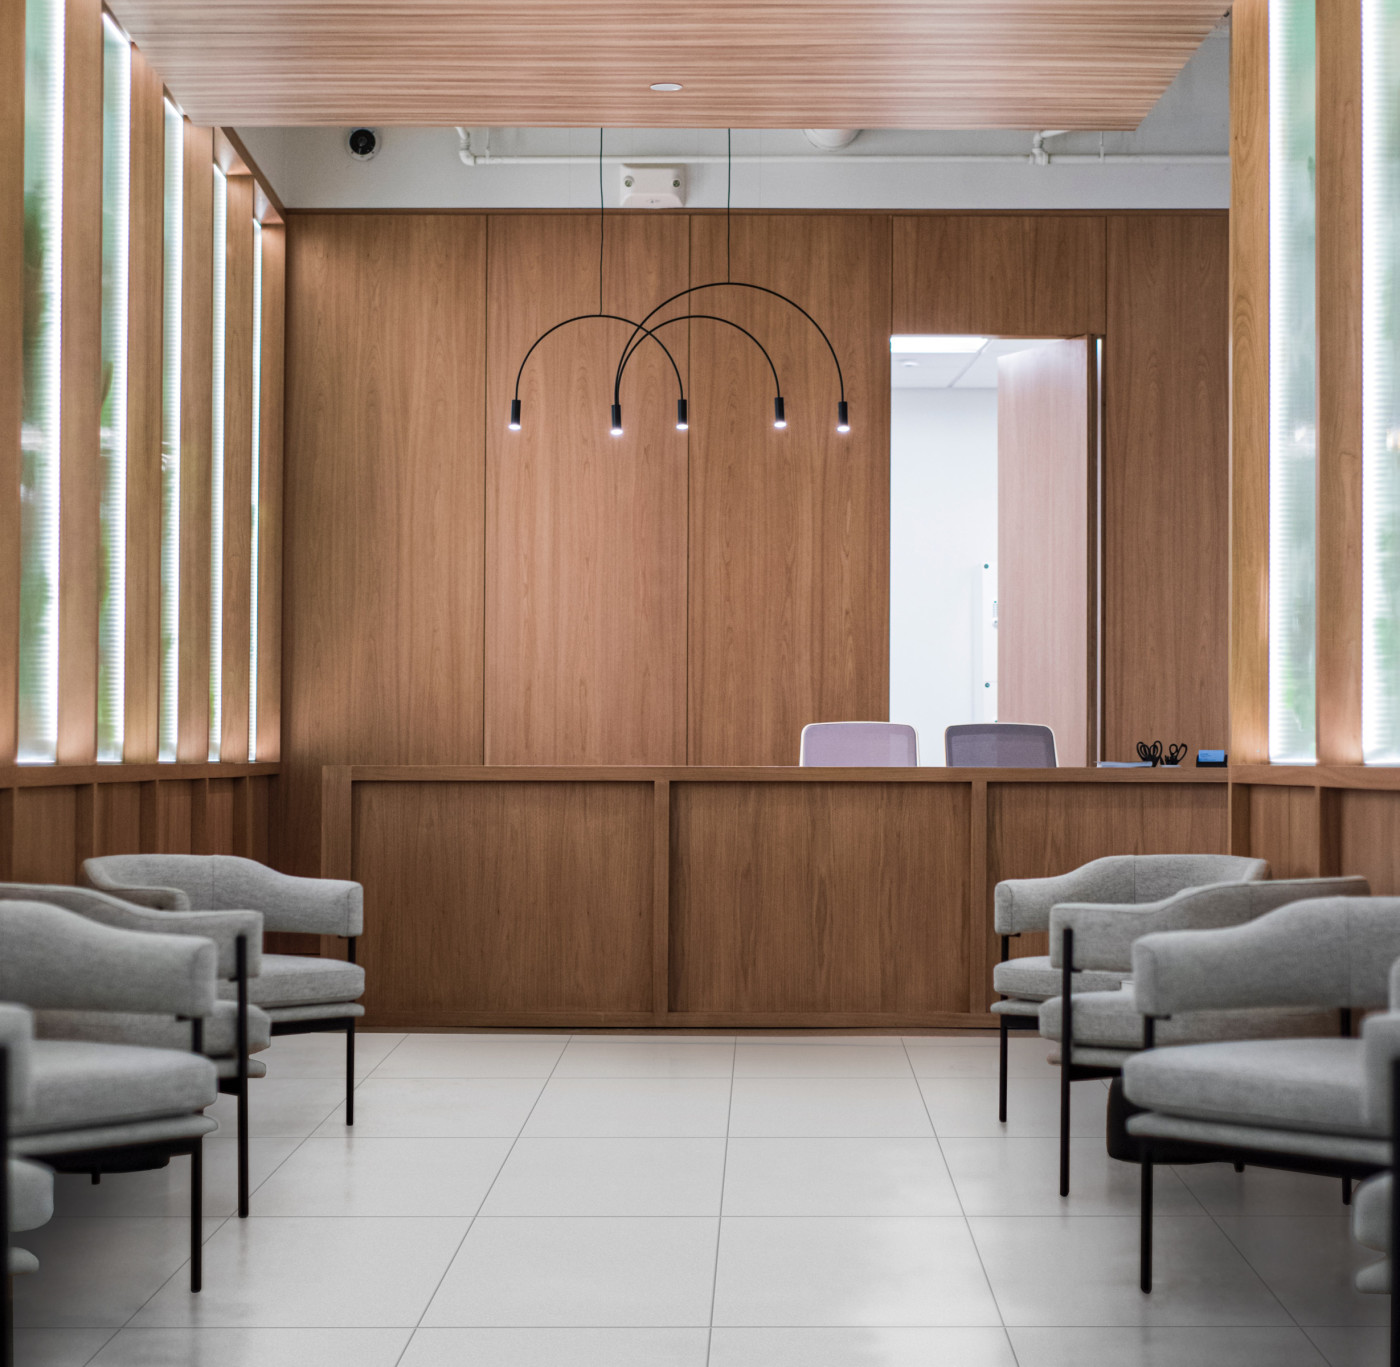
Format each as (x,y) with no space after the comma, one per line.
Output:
(699,898)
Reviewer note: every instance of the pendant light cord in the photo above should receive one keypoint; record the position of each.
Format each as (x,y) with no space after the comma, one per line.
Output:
(600,222)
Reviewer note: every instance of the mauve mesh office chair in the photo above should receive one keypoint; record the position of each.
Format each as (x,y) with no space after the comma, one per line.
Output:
(859,745)
(999,745)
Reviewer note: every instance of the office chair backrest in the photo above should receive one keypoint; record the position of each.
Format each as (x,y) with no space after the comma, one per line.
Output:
(859,744)
(999,745)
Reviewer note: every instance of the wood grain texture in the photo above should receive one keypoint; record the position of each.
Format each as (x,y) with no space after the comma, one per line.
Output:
(1166,491)
(1339,373)
(818,63)
(1369,824)
(196,435)
(789,531)
(1249,382)
(1009,275)
(1046,533)
(384,483)
(145,335)
(80,384)
(272,426)
(819,897)
(11,360)
(238,468)
(1285,827)
(117,819)
(45,835)
(585,532)
(505,897)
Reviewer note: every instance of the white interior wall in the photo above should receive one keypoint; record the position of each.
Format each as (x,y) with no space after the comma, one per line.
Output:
(943,528)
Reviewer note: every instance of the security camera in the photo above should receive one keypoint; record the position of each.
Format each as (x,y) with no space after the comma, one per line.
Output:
(362,143)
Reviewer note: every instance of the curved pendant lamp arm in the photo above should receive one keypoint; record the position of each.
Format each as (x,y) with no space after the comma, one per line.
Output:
(710,317)
(616,318)
(743,285)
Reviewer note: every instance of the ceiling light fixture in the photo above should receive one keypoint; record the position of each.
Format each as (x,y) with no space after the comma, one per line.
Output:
(927,345)
(667,86)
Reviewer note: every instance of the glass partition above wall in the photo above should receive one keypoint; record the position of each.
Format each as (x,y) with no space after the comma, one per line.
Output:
(1292,382)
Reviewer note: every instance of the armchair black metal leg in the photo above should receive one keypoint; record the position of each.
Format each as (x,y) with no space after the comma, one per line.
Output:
(1066,1053)
(240,1048)
(350,1073)
(197,1215)
(1346,1191)
(1001,1073)
(1145,1225)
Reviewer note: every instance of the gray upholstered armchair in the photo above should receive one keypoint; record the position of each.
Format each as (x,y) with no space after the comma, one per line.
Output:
(1023,906)
(100,1107)
(1098,1030)
(232,1034)
(26,1196)
(300,993)
(1319,1105)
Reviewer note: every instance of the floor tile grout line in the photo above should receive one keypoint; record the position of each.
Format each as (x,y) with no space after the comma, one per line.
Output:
(719,1222)
(967,1224)
(485,1196)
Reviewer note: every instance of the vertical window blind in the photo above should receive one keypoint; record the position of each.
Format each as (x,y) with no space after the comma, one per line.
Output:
(216,470)
(172,286)
(1380,590)
(116,209)
(43,282)
(1292,382)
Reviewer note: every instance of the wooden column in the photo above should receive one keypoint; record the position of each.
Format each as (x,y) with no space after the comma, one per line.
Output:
(1249,377)
(1339,433)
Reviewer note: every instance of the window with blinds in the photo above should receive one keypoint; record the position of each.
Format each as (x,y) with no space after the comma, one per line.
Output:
(256,494)
(174,209)
(216,471)
(1380,591)
(1292,382)
(43,281)
(116,206)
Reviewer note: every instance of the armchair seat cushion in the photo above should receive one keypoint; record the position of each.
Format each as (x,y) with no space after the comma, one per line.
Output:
(158,1032)
(1033,979)
(1370,1213)
(302,980)
(1314,1085)
(31,1195)
(1110,1020)
(81,1084)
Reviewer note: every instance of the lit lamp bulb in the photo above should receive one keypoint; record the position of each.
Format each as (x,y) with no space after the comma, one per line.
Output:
(682,418)
(779,416)
(515,415)
(616,428)
(843,417)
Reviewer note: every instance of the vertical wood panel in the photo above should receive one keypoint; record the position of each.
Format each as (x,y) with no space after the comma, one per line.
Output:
(1026,275)
(1047,509)
(1285,828)
(11,360)
(143,419)
(196,429)
(1166,483)
(274,254)
(45,835)
(1370,838)
(80,385)
(384,512)
(238,476)
(1249,382)
(789,531)
(117,822)
(586,533)
(1339,434)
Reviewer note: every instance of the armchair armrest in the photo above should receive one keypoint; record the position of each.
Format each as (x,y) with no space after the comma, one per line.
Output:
(16,1031)
(1104,935)
(223,927)
(1380,1047)
(54,958)
(1024,904)
(1325,952)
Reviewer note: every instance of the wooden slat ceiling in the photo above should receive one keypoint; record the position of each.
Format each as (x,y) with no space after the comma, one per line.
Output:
(771,64)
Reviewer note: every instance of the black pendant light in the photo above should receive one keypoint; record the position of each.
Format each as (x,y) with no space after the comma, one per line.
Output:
(646,330)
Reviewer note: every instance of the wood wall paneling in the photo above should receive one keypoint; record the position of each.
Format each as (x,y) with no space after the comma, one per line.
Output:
(80,384)
(1369,826)
(44,836)
(11,361)
(1285,827)
(117,820)
(1249,382)
(1339,429)
(145,291)
(789,531)
(1047,512)
(1166,557)
(196,432)
(238,455)
(498,898)
(1012,275)
(585,532)
(384,479)
(274,294)
(810,898)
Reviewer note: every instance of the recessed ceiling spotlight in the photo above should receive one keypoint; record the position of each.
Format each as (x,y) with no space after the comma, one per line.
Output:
(668,85)
(909,365)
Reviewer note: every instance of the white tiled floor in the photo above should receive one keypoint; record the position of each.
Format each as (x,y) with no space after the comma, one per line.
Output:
(634,1201)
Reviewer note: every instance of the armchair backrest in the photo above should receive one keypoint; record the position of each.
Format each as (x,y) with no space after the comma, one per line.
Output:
(167,882)
(16,1032)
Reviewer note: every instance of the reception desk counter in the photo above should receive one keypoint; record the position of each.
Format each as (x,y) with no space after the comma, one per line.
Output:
(718,898)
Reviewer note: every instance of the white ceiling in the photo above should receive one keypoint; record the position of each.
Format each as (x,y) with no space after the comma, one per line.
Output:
(959,371)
